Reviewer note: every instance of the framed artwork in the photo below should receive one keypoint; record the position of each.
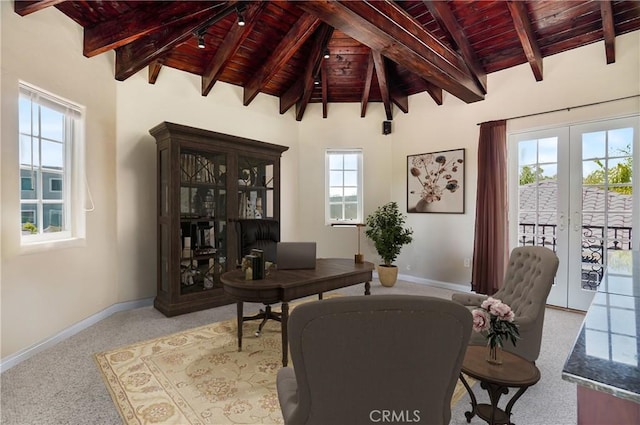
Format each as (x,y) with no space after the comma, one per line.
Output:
(435,182)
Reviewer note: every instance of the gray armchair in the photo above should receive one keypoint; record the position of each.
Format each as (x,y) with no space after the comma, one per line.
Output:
(527,282)
(359,358)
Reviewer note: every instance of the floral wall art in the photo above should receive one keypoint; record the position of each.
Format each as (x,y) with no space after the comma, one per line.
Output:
(435,182)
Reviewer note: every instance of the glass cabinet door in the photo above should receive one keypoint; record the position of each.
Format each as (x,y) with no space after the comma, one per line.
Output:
(255,188)
(202,220)
(164,219)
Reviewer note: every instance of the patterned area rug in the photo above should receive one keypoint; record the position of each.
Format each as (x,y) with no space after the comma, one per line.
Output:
(198,377)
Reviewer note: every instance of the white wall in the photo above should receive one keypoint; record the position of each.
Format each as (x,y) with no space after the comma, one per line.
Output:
(45,292)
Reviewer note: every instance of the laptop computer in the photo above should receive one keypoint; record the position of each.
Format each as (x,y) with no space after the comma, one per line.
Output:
(296,255)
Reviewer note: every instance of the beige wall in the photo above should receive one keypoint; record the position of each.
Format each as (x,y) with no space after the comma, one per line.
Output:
(175,97)
(442,241)
(48,291)
(45,293)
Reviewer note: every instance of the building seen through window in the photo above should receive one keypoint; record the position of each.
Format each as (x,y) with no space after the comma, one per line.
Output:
(48,129)
(344,186)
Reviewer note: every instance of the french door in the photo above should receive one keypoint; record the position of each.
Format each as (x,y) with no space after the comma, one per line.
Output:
(571,190)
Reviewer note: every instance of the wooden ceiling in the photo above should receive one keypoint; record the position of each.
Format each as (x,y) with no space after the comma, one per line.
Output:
(378,51)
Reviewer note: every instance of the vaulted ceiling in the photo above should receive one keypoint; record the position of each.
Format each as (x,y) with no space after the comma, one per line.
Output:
(343,51)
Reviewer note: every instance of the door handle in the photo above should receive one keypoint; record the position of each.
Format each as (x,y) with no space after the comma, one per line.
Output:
(561,224)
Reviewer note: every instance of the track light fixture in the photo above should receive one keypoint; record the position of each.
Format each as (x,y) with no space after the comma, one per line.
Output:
(201,44)
(326,53)
(240,17)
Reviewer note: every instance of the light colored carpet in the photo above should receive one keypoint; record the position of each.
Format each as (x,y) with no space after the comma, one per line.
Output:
(198,377)
(62,386)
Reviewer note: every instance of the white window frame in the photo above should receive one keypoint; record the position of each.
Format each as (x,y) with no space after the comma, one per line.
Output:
(22,179)
(31,212)
(360,189)
(73,186)
(51,189)
(53,213)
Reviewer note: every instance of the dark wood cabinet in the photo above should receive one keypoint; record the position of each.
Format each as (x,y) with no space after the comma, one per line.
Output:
(206,180)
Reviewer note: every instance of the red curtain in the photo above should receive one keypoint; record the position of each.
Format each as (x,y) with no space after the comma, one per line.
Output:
(490,243)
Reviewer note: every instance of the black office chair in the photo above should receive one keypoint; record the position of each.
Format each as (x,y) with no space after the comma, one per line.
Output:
(261,234)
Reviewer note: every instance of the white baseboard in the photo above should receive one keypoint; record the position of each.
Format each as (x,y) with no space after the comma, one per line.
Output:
(430,282)
(22,355)
(436,283)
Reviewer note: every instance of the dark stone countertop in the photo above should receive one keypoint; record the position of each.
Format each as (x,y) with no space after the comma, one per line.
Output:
(605,356)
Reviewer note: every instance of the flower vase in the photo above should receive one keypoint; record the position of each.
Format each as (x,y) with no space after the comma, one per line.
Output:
(423,206)
(494,355)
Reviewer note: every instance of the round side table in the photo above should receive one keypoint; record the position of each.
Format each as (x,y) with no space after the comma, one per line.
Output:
(514,372)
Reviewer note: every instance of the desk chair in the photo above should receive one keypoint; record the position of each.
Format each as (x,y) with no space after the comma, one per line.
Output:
(261,234)
(527,282)
(355,357)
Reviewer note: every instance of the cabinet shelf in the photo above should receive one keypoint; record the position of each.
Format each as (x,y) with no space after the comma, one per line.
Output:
(197,218)
(251,188)
(203,185)
(201,190)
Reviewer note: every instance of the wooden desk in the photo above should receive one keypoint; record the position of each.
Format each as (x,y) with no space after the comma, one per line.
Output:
(286,285)
(514,372)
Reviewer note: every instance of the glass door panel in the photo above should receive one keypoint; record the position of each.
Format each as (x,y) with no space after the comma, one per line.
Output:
(603,216)
(574,191)
(202,220)
(255,188)
(541,208)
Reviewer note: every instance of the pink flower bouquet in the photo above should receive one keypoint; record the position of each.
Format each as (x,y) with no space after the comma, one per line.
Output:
(494,319)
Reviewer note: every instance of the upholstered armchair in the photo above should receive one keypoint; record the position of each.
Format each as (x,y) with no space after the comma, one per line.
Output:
(527,282)
(357,357)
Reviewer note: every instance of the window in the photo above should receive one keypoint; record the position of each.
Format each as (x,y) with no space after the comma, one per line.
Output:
(26,184)
(51,164)
(55,185)
(343,186)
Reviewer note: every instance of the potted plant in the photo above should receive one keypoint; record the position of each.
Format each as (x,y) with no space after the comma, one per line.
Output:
(385,227)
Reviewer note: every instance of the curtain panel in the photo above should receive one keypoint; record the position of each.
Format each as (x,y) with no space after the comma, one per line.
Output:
(490,251)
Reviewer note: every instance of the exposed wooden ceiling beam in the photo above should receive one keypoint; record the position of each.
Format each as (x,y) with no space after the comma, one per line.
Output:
(291,96)
(134,56)
(139,22)
(608,30)
(401,100)
(297,89)
(526,35)
(229,46)
(447,21)
(24,8)
(154,70)
(398,97)
(292,41)
(383,82)
(367,86)
(434,91)
(385,27)
(323,35)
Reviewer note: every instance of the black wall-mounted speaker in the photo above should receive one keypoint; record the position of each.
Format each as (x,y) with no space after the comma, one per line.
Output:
(386,127)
